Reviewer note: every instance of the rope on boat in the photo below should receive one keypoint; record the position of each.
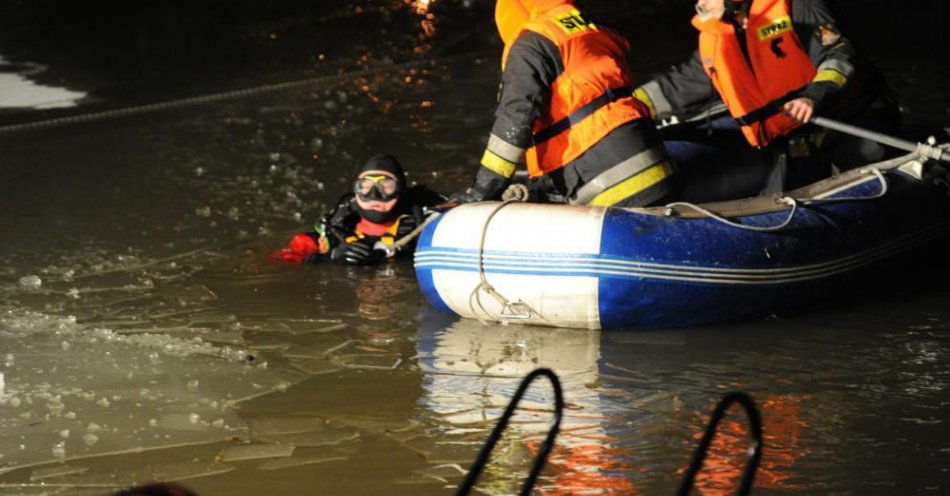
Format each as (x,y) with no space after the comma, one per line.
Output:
(792,202)
(517,310)
(708,213)
(873,170)
(543,451)
(216,97)
(755,451)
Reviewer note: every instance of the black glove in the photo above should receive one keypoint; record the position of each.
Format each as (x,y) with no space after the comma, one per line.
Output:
(360,252)
(488,185)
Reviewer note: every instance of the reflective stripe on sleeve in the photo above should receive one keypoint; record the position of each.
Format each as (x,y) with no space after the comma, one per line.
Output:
(842,67)
(498,165)
(831,75)
(659,104)
(505,150)
(634,185)
(619,173)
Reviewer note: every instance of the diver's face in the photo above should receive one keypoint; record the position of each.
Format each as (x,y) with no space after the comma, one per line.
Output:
(377,190)
(711,9)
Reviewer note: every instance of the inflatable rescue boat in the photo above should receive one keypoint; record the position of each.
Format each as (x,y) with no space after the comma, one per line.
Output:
(682,264)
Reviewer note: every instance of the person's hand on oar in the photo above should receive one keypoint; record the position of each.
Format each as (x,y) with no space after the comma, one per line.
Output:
(800,109)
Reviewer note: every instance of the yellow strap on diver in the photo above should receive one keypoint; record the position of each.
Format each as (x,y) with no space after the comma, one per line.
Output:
(644,97)
(832,75)
(629,187)
(498,165)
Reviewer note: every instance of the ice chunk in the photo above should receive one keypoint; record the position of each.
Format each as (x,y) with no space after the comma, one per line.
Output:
(56,471)
(59,449)
(325,437)
(90,439)
(203,211)
(255,452)
(270,426)
(31,282)
(314,366)
(182,422)
(297,462)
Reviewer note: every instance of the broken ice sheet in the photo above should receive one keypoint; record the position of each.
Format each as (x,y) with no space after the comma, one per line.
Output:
(368,361)
(134,388)
(242,452)
(56,471)
(314,366)
(270,426)
(326,437)
(280,463)
(316,350)
(140,475)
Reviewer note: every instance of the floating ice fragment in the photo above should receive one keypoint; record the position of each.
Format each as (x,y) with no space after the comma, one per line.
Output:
(255,451)
(64,433)
(70,415)
(56,471)
(193,385)
(234,213)
(14,402)
(8,360)
(93,427)
(153,422)
(297,462)
(59,449)
(104,402)
(194,418)
(218,423)
(65,345)
(73,293)
(90,439)
(31,283)
(199,171)
(203,211)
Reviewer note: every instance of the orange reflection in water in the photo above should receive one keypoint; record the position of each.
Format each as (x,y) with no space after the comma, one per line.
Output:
(782,424)
(586,469)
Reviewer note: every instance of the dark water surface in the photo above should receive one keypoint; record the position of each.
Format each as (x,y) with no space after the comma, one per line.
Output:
(143,336)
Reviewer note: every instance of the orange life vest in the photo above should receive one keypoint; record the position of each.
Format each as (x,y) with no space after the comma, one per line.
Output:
(779,67)
(591,98)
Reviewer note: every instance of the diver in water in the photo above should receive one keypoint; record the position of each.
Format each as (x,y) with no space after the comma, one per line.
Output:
(365,225)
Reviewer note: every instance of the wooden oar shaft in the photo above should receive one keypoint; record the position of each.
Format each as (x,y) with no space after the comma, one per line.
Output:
(927,150)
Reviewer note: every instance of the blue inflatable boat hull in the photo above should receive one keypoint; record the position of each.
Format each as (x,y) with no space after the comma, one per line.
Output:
(578,266)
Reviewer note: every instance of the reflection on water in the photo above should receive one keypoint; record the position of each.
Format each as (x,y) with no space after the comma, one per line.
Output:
(471,372)
(624,432)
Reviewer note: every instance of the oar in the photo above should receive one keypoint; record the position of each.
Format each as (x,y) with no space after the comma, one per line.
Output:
(927,151)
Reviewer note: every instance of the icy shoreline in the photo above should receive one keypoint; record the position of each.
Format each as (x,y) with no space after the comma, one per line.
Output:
(18,91)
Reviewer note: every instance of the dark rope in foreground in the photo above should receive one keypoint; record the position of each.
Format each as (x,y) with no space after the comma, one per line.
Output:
(545,448)
(755,451)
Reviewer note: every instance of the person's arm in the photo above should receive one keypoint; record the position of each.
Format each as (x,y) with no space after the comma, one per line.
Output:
(680,91)
(533,64)
(829,50)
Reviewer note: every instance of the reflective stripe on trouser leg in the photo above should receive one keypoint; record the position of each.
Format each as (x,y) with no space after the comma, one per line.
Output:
(619,173)
(634,185)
